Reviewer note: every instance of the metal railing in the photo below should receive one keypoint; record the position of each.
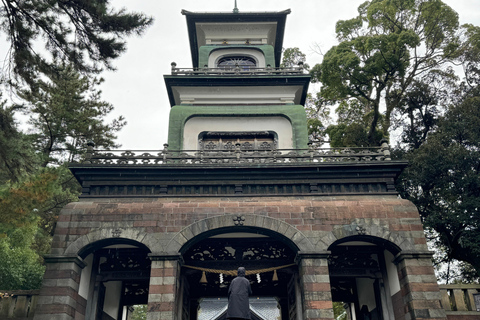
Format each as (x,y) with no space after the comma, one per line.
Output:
(237,70)
(237,156)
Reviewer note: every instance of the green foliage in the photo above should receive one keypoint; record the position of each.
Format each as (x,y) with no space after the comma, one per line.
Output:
(66,112)
(293,57)
(317,112)
(392,71)
(383,51)
(86,34)
(352,135)
(20,267)
(139,312)
(16,156)
(443,180)
(22,240)
(339,311)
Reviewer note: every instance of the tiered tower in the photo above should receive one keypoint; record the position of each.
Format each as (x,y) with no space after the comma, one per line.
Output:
(238,184)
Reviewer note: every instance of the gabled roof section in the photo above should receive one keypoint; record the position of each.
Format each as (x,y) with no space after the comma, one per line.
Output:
(198,21)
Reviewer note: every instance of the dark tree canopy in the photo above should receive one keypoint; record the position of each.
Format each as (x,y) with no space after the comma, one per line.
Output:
(383,51)
(443,180)
(395,71)
(85,34)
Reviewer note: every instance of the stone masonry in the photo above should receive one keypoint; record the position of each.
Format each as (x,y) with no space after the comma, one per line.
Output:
(313,223)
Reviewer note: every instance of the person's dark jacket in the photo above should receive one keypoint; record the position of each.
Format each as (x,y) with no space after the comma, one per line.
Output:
(238,292)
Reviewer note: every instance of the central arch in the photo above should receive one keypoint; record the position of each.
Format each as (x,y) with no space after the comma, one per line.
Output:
(211,258)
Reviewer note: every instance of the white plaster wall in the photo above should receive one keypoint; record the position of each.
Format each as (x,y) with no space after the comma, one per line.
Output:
(112,298)
(236,33)
(392,273)
(85,277)
(280,125)
(278,95)
(366,294)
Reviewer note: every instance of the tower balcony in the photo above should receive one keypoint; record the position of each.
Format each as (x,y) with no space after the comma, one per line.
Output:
(238,172)
(238,85)
(238,70)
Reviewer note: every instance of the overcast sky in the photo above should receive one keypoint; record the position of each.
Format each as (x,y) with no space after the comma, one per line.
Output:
(137,89)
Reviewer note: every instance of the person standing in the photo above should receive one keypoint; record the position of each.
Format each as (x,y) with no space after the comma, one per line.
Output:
(238,292)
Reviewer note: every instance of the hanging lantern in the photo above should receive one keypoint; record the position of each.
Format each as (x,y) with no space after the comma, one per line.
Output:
(203,279)
(275,277)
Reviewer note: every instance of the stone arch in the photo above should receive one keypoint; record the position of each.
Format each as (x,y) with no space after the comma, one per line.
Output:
(365,230)
(129,234)
(238,223)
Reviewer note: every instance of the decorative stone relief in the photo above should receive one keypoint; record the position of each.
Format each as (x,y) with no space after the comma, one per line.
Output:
(238,220)
(360,230)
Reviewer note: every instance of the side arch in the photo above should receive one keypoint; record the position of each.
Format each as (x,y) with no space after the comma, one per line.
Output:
(366,231)
(251,223)
(135,236)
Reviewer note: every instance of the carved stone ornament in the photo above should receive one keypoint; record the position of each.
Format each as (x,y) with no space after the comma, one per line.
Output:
(360,230)
(116,233)
(238,220)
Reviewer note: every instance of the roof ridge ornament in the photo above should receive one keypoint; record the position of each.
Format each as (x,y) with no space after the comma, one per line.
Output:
(235,10)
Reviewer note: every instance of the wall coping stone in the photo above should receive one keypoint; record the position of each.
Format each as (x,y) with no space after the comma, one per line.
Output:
(412,255)
(51,258)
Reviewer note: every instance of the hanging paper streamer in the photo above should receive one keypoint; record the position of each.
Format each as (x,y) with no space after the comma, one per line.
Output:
(275,277)
(203,279)
(258,278)
(221,277)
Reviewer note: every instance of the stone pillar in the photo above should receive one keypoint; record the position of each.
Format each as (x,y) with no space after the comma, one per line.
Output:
(420,291)
(315,282)
(162,295)
(59,299)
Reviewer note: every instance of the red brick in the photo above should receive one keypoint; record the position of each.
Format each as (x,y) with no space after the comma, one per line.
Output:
(265,210)
(304,227)
(160,306)
(313,286)
(419,270)
(158,289)
(208,205)
(294,221)
(144,223)
(420,240)
(423,287)
(240,210)
(229,204)
(182,210)
(319,304)
(162,272)
(170,205)
(188,204)
(209,210)
(279,215)
(321,227)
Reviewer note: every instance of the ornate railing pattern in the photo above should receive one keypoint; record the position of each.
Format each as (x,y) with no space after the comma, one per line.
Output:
(237,156)
(236,70)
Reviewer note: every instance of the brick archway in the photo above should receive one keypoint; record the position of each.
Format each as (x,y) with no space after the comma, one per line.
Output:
(131,234)
(279,227)
(363,228)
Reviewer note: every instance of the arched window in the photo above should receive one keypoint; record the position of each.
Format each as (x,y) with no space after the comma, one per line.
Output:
(244,62)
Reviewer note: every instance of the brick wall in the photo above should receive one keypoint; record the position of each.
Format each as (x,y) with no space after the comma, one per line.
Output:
(313,223)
